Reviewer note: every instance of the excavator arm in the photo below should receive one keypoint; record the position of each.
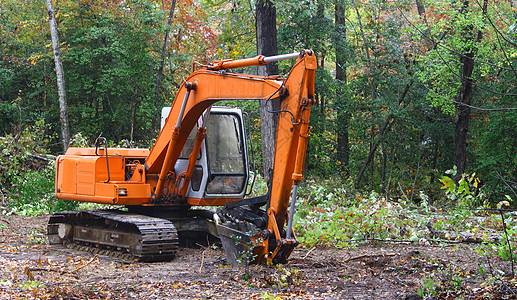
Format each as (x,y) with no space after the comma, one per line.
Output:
(296,93)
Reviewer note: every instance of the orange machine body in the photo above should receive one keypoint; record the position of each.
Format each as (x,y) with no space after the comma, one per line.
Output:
(81,175)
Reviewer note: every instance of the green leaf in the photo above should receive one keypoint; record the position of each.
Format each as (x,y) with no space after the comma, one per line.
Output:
(463,187)
(448,183)
(501,203)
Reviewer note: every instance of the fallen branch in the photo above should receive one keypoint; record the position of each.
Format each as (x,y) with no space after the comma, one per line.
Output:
(390,241)
(463,237)
(202,260)
(60,271)
(369,256)
(309,252)
(403,194)
(45,158)
(202,255)
(46,270)
(86,264)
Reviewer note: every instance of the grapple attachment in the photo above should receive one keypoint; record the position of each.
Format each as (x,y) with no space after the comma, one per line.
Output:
(236,244)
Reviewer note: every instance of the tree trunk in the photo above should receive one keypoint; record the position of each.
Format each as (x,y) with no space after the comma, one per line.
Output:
(466,95)
(383,168)
(343,148)
(420,8)
(60,76)
(155,116)
(267,45)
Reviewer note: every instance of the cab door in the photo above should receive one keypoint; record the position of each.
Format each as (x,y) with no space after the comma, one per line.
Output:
(221,170)
(227,154)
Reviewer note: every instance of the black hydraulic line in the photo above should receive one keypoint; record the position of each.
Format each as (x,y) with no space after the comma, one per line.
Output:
(97,144)
(252,153)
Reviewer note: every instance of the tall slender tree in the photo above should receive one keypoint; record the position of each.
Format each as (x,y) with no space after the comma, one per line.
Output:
(373,148)
(60,76)
(471,39)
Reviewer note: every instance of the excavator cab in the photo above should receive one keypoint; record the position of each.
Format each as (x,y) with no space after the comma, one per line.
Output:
(221,169)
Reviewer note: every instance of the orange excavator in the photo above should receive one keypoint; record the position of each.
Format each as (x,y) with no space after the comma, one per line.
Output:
(200,158)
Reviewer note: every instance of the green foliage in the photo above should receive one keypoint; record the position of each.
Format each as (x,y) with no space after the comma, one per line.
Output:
(464,193)
(501,248)
(33,284)
(506,246)
(33,193)
(16,151)
(259,185)
(337,218)
(111,52)
(283,277)
(305,25)
(244,254)
(427,287)
(453,29)
(37,236)
(104,60)
(8,113)
(268,296)
(496,156)
(27,181)
(440,280)
(32,190)
(78,140)
(235,20)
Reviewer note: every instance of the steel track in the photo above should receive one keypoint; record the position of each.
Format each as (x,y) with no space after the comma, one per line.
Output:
(119,234)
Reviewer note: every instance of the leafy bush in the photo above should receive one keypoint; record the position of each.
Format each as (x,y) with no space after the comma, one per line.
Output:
(16,152)
(78,140)
(466,192)
(335,218)
(30,191)
(28,174)
(33,193)
(442,280)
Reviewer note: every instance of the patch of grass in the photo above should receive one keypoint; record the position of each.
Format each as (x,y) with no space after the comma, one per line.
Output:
(33,284)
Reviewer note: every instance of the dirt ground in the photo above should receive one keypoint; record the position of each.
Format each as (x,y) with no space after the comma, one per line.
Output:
(31,269)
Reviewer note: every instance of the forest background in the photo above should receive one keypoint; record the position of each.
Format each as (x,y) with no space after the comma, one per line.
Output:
(407,91)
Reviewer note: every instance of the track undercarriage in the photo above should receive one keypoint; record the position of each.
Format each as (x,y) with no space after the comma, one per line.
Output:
(151,234)
(120,234)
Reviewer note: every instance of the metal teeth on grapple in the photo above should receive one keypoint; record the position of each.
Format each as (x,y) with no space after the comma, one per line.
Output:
(115,233)
(237,244)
